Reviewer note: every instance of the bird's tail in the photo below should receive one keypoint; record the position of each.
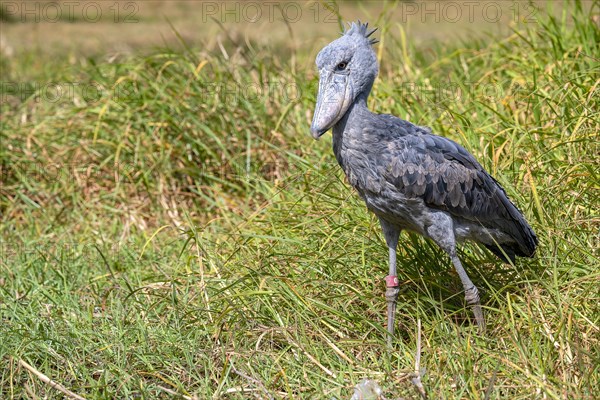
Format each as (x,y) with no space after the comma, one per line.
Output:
(525,238)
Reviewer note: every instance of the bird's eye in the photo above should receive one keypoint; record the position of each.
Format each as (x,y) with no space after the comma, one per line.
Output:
(341,66)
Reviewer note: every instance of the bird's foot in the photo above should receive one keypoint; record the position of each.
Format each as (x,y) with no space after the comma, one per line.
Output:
(472,297)
(479,318)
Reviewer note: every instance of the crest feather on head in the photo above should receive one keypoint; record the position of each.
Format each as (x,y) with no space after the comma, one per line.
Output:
(358,28)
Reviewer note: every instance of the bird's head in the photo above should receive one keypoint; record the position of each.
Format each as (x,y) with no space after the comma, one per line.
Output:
(347,68)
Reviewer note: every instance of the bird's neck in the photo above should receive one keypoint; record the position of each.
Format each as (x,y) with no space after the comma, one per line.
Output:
(353,115)
(354,118)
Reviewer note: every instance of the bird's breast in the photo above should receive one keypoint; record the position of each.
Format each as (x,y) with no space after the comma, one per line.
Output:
(362,170)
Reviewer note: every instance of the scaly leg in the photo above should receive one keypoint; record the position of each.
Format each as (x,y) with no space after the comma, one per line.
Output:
(471,292)
(442,232)
(391,233)
(391,295)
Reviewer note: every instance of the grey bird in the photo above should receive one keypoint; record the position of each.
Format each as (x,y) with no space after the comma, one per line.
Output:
(410,178)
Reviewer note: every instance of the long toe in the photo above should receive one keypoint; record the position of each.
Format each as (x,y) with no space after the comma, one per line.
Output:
(479,318)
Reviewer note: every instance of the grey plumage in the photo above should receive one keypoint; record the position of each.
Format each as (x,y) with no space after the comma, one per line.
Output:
(410,178)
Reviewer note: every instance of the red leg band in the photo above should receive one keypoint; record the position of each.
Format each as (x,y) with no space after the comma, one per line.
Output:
(392,281)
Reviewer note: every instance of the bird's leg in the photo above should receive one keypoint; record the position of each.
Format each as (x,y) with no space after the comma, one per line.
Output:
(471,292)
(391,234)
(391,295)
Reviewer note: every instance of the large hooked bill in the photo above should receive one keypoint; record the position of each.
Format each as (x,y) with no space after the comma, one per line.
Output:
(333,100)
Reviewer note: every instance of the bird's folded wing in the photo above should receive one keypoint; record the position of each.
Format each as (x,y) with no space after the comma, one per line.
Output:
(445,176)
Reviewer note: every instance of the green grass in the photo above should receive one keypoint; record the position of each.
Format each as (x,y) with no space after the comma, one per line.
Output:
(161,232)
